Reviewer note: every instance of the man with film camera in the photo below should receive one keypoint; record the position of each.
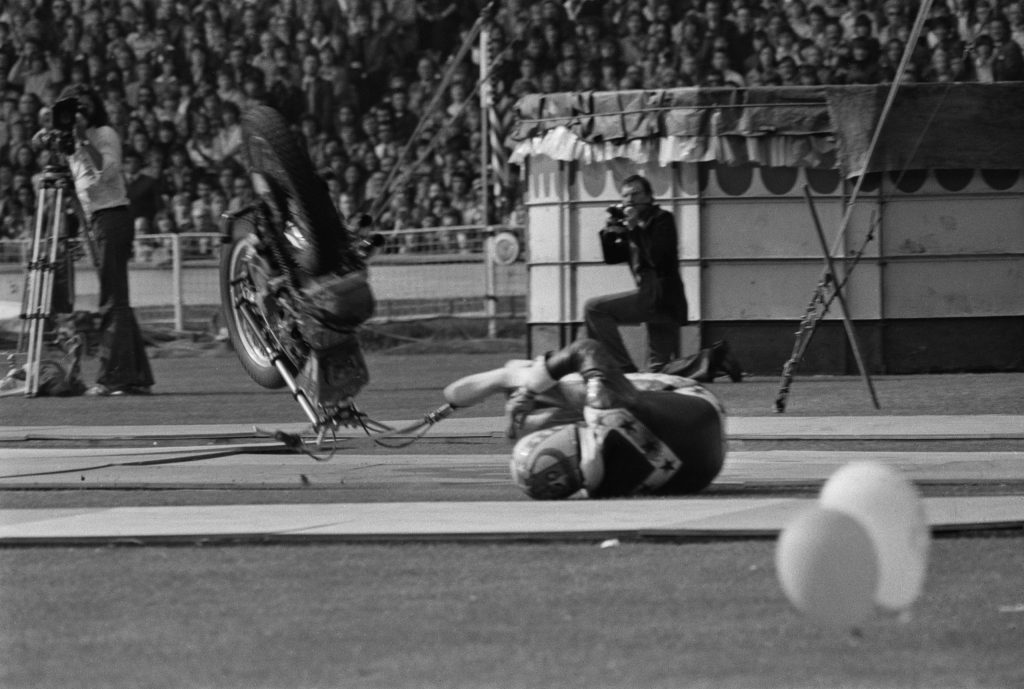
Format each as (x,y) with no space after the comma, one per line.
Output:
(94,155)
(644,236)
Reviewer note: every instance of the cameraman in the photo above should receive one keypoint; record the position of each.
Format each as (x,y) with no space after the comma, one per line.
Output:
(95,165)
(646,239)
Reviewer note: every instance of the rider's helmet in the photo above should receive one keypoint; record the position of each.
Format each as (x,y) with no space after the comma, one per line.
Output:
(546,464)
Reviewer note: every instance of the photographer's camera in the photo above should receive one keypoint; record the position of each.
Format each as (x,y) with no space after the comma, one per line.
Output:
(616,214)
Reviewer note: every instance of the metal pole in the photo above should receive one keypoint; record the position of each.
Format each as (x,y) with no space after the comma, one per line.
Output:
(837,286)
(485,187)
(176,282)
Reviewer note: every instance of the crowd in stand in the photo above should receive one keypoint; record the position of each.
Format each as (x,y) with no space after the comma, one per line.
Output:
(356,77)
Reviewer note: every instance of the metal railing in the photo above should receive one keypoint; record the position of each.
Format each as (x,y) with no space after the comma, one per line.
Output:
(439,272)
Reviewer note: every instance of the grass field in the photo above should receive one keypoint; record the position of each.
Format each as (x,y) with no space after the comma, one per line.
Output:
(698,614)
(645,614)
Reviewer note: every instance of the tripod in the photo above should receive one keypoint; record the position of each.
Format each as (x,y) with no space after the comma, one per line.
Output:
(50,257)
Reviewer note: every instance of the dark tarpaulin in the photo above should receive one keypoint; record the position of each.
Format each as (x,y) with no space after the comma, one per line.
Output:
(931,126)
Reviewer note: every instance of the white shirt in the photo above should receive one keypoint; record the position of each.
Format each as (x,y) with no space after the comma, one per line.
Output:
(105,187)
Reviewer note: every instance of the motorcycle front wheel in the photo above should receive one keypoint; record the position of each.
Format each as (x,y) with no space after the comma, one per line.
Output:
(283,174)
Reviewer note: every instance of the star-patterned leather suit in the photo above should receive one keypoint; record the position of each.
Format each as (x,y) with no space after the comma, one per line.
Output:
(638,434)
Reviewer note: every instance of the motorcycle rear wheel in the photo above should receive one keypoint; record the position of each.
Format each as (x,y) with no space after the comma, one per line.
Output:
(243,277)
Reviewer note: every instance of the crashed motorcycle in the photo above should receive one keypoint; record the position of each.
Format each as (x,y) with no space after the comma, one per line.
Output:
(294,283)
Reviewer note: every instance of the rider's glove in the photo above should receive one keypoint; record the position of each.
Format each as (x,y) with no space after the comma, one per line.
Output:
(520,403)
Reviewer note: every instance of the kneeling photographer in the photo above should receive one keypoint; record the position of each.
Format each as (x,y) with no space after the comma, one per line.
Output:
(643,235)
(94,157)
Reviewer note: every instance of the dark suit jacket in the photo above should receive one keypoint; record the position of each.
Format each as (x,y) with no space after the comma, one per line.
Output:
(318,100)
(654,260)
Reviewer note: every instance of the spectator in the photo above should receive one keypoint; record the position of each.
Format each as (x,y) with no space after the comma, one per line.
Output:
(227,142)
(143,192)
(35,70)
(354,183)
(423,87)
(163,222)
(1007,56)
(142,40)
(228,90)
(455,236)
(18,213)
(199,69)
(241,193)
(720,64)
(285,95)
(317,93)
(200,146)
(632,44)
(264,60)
(1014,13)
(786,45)
(889,60)
(896,22)
(982,60)
(863,29)
(863,67)
(799,20)
(438,23)
(765,72)
(943,34)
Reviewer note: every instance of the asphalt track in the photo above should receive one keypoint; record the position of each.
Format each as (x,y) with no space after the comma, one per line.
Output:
(186,465)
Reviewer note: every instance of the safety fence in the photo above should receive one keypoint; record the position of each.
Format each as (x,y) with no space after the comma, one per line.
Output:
(470,272)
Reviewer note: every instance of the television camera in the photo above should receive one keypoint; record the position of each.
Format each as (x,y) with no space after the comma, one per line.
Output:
(59,137)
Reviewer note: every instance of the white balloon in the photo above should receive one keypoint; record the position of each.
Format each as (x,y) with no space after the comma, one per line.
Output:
(826,565)
(889,508)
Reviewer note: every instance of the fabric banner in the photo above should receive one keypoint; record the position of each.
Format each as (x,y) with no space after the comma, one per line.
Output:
(931,126)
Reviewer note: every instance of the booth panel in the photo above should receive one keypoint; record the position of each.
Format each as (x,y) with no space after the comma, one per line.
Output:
(781,291)
(546,183)
(865,218)
(687,180)
(954,288)
(545,293)
(594,280)
(547,337)
(758,291)
(595,182)
(762,229)
(588,221)
(694,292)
(952,225)
(545,233)
(688,220)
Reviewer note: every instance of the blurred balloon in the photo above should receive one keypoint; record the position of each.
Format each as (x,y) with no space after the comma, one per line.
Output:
(827,567)
(889,508)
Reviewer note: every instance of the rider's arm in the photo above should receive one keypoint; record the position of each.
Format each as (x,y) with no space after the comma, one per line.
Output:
(591,360)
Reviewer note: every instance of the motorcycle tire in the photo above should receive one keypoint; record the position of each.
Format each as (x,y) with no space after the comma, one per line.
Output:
(242,273)
(282,170)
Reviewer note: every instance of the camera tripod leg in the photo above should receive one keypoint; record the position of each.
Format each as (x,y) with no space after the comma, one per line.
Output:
(39,281)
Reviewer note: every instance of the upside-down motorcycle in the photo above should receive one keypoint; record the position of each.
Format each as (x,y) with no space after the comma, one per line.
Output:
(293,279)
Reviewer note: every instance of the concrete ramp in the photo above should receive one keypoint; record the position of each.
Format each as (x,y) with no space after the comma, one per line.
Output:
(456,521)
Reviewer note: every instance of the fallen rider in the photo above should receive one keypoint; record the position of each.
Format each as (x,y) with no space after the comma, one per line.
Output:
(584,428)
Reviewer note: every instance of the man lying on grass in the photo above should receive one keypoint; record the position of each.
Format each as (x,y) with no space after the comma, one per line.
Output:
(583,427)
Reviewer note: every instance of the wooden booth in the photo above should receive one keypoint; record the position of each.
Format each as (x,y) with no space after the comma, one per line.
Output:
(934,240)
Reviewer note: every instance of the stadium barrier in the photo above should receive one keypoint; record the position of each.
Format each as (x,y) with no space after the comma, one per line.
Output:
(467,272)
